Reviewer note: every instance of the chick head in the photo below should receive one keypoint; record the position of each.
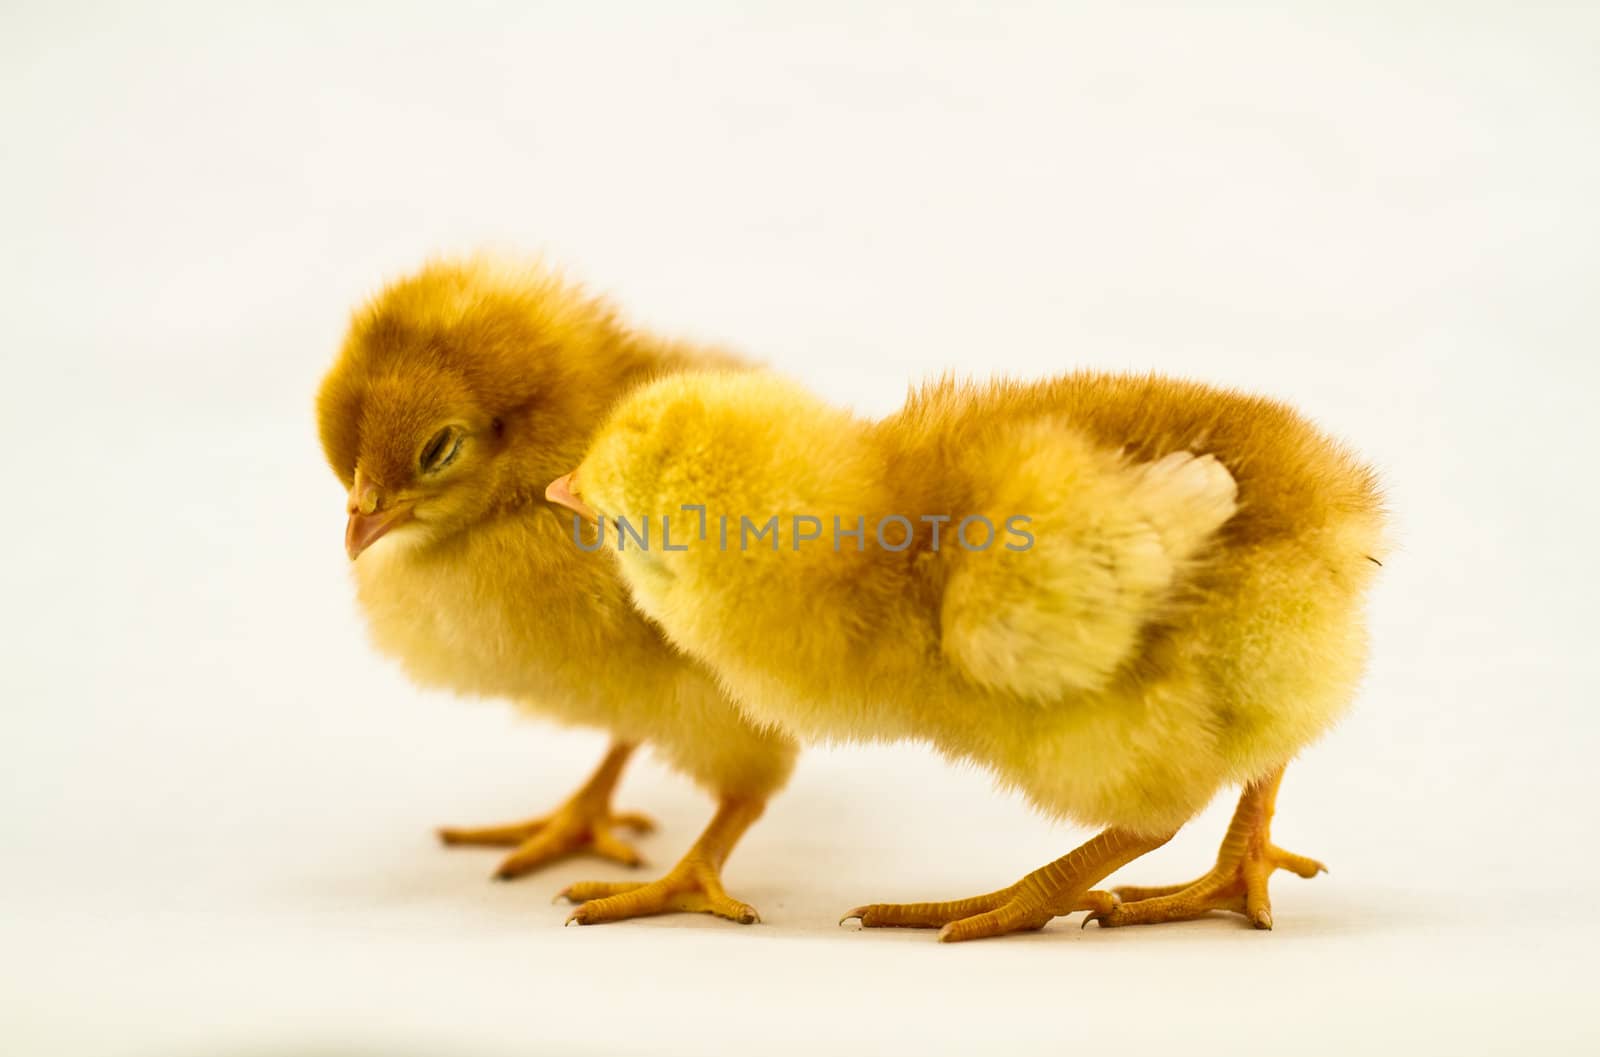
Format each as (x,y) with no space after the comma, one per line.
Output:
(448,387)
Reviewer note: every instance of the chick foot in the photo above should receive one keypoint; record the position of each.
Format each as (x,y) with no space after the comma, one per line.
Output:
(585,823)
(1238,882)
(938,915)
(693,886)
(1059,888)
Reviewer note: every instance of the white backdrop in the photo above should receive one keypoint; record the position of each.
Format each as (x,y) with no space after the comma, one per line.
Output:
(216,802)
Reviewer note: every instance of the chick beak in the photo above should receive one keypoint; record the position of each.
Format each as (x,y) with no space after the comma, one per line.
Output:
(368,520)
(563,492)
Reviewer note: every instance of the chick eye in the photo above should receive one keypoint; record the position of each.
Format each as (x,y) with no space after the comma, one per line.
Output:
(441,450)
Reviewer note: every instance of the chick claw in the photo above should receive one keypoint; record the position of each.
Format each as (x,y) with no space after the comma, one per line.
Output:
(691,887)
(571,829)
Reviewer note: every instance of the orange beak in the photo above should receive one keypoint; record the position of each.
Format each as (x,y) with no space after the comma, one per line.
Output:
(368,520)
(563,492)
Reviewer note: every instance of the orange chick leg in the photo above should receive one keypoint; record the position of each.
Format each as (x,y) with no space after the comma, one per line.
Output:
(693,886)
(1059,888)
(1237,883)
(585,823)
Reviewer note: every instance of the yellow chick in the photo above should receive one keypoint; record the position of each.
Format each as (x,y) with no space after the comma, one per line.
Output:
(1119,594)
(458,393)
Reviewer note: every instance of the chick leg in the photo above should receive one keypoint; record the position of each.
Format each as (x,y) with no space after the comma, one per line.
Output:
(1059,888)
(584,823)
(1238,882)
(692,886)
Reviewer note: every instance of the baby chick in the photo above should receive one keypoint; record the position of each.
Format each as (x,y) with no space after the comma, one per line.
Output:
(458,393)
(1119,594)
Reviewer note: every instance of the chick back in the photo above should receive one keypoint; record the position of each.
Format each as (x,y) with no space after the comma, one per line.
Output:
(1254,653)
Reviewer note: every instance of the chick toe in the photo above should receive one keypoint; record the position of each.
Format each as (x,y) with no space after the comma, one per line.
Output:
(926,915)
(691,892)
(585,823)
(938,915)
(1015,916)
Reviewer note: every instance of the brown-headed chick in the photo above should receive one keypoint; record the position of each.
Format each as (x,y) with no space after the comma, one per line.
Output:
(460,391)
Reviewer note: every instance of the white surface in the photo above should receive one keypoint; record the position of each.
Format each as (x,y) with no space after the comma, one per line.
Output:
(215,801)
